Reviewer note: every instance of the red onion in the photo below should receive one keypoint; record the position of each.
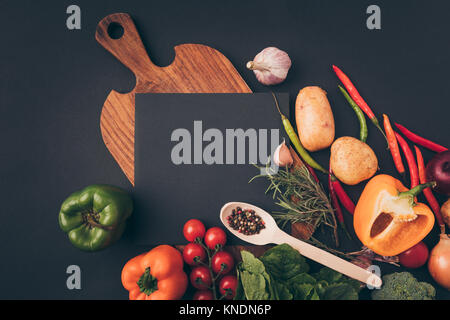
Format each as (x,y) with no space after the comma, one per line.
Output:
(438,169)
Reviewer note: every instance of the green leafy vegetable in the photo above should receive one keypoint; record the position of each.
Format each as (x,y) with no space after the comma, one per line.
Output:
(252,264)
(340,291)
(254,278)
(282,274)
(255,286)
(283,262)
(281,291)
(303,287)
(240,294)
(328,275)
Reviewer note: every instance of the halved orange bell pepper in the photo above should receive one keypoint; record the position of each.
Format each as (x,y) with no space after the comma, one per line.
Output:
(387,219)
(155,275)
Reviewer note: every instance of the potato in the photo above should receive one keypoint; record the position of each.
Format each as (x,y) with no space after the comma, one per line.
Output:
(315,121)
(445,212)
(352,161)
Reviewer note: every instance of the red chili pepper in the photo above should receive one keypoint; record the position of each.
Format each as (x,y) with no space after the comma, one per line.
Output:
(334,201)
(419,140)
(311,170)
(341,194)
(413,171)
(427,192)
(336,205)
(353,92)
(337,187)
(351,89)
(393,145)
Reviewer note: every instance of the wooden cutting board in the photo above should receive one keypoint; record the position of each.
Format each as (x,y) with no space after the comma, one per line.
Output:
(195,69)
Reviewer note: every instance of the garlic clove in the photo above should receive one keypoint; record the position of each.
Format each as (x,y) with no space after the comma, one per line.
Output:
(270,66)
(282,156)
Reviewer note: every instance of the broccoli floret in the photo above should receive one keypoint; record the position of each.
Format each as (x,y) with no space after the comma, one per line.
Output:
(403,286)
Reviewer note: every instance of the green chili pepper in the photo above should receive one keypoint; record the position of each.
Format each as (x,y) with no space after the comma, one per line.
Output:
(296,141)
(359,113)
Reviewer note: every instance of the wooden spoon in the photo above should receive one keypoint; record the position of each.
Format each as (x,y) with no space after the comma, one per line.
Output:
(272,234)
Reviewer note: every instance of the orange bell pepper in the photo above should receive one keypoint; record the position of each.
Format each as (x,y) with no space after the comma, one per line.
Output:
(155,275)
(387,219)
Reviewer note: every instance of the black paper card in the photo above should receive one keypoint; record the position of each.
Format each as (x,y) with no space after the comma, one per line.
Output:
(193,154)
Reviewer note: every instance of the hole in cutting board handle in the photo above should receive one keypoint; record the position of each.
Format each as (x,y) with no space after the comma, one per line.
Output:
(115,30)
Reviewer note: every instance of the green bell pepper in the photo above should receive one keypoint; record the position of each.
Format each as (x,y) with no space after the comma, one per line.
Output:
(95,217)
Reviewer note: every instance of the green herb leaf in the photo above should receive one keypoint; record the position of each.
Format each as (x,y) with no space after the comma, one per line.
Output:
(252,264)
(340,291)
(254,278)
(281,274)
(328,275)
(255,286)
(282,292)
(283,262)
(301,198)
(240,294)
(333,285)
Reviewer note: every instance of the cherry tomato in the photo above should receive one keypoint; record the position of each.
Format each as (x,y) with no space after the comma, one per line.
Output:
(227,287)
(215,237)
(193,254)
(203,295)
(414,257)
(200,278)
(193,229)
(222,260)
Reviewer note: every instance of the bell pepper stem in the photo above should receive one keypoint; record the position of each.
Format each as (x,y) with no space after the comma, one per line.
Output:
(414,192)
(147,283)
(92,223)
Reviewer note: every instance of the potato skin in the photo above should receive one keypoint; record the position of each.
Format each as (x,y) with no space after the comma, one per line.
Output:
(352,160)
(445,211)
(315,121)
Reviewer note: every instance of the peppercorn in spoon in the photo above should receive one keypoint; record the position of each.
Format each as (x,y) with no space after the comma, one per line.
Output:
(271,233)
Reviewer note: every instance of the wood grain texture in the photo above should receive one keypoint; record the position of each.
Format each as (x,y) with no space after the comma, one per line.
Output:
(195,69)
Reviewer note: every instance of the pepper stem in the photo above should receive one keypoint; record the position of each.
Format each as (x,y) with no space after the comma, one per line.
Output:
(377,124)
(147,283)
(277,104)
(414,192)
(91,220)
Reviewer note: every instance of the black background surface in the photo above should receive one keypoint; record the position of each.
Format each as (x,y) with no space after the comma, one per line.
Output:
(167,195)
(53,82)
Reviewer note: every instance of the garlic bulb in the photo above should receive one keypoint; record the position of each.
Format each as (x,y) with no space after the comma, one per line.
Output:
(270,66)
(282,156)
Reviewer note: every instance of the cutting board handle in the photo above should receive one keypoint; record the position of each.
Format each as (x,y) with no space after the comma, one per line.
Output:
(128,48)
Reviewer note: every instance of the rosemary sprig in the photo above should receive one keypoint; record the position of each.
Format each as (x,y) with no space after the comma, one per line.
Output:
(301,198)
(304,200)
